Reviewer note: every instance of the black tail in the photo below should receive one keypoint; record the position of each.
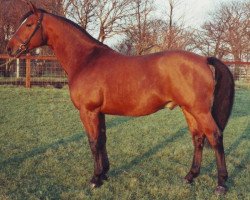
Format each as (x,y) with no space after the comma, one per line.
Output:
(223,93)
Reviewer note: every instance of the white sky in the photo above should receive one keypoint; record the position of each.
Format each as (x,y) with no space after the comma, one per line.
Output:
(194,11)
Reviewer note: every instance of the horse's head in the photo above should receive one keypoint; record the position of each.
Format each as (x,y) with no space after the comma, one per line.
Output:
(29,35)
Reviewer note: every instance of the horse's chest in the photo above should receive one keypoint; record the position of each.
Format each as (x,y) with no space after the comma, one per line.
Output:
(88,97)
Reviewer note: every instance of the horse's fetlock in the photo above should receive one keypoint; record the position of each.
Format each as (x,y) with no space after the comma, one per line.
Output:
(223,174)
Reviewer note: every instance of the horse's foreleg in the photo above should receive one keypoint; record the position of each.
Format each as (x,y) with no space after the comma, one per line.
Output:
(198,142)
(94,123)
(102,147)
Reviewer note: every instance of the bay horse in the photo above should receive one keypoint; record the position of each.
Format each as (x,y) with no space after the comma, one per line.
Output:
(102,81)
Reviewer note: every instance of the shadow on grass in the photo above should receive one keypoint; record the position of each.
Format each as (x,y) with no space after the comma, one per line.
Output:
(16,160)
(40,150)
(139,159)
(244,160)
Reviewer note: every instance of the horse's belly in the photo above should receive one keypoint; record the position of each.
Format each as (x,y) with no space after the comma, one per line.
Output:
(134,107)
(130,112)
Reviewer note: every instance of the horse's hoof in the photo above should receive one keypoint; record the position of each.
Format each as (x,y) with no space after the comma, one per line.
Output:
(95,185)
(95,182)
(221,190)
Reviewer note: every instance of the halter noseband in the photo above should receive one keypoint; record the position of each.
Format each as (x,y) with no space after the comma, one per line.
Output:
(24,44)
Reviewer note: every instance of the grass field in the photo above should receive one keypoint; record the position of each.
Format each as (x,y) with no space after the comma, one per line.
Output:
(44,153)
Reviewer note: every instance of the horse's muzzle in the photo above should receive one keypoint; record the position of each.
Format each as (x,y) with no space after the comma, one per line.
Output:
(9,50)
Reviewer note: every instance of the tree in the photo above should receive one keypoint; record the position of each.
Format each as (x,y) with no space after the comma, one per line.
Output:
(176,35)
(150,34)
(172,30)
(227,33)
(112,16)
(10,12)
(106,18)
(140,30)
(81,11)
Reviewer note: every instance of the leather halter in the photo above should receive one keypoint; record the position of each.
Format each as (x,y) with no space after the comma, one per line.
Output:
(24,44)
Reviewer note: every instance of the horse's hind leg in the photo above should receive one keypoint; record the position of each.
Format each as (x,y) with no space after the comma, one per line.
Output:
(198,141)
(215,138)
(94,123)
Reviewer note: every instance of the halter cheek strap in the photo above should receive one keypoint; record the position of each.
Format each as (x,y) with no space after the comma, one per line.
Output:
(24,44)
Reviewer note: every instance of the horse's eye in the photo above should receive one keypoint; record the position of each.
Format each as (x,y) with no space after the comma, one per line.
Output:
(29,25)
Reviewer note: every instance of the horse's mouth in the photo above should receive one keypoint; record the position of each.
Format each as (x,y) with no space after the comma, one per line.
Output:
(18,53)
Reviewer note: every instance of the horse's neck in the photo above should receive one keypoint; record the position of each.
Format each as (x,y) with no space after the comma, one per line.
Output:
(70,45)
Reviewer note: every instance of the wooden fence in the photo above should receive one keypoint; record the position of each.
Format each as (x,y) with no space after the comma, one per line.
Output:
(31,70)
(45,70)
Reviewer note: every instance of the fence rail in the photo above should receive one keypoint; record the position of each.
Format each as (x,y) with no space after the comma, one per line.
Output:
(31,70)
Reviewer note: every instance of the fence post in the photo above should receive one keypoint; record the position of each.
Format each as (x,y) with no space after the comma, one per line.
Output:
(27,83)
(17,68)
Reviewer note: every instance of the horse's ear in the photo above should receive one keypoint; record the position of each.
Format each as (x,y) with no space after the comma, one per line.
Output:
(32,7)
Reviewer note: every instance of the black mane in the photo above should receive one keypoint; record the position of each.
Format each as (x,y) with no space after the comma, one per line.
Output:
(30,13)
(64,19)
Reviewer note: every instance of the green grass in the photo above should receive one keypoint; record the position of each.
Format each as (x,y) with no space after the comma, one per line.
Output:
(34,79)
(44,153)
